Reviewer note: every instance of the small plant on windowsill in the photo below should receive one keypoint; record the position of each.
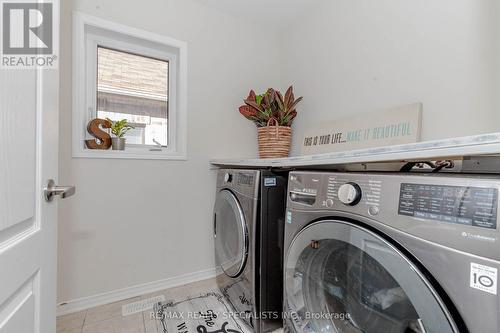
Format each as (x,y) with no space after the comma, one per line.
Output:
(119,128)
(273,114)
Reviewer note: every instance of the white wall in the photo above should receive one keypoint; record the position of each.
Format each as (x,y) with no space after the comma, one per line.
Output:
(349,57)
(138,221)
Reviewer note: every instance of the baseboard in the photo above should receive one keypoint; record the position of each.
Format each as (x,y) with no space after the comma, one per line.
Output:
(134,291)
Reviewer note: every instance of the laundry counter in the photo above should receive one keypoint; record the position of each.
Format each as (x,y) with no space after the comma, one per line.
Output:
(452,149)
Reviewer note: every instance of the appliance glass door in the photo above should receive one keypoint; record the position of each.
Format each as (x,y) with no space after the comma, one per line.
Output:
(343,278)
(230,234)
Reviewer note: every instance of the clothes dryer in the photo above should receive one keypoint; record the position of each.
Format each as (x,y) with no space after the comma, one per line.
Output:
(248,233)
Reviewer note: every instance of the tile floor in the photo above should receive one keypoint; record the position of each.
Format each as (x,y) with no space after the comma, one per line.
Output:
(108,318)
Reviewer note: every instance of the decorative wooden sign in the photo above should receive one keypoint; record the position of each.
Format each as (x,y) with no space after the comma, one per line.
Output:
(102,139)
(390,127)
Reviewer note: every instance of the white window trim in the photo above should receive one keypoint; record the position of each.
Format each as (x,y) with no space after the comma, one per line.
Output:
(83,97)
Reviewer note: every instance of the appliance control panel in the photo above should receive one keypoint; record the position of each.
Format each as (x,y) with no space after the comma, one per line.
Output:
(331,190)
(245,182)
(466,205)
(467,201)
(458,211)
(351,192)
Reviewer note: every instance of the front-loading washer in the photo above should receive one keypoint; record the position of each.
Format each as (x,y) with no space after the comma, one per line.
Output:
(391,253)
(248,234)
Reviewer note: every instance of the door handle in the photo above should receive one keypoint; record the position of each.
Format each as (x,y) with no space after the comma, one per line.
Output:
(51,190)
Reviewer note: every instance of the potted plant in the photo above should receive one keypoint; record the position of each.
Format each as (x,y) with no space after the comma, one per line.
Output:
(273,114)
(119,128)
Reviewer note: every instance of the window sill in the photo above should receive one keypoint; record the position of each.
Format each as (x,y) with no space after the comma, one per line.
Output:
(129,154)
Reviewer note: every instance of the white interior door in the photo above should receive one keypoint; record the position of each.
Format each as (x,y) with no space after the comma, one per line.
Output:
(28,224)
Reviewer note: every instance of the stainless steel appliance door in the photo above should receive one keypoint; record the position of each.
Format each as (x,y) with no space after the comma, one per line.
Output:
(340,277)
(230,234)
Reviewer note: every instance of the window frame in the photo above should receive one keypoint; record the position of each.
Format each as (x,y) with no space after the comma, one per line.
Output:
(88,34)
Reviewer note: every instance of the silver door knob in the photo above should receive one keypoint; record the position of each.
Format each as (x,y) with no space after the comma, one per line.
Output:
(62,191)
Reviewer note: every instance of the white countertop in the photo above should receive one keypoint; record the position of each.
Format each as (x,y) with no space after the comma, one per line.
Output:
(485,144)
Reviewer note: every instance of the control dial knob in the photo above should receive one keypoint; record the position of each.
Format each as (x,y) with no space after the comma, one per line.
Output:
(228,177)
(349,194)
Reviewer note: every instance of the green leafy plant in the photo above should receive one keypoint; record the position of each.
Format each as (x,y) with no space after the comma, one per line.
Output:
(120,127)
(270,106)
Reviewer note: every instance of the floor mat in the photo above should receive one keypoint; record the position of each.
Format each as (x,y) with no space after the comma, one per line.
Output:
(206,313)
(236,292)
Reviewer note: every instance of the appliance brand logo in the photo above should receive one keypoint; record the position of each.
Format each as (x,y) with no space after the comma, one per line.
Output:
(29,35)
(478,237)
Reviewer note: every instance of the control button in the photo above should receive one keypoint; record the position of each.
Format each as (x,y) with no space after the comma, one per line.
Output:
(349,194)
(373,210)
(228,178)
(329,203)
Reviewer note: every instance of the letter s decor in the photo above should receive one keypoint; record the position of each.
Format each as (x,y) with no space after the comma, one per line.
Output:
(102,139)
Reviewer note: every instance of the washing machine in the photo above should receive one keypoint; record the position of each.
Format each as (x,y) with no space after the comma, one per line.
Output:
(391,253)
(248,229)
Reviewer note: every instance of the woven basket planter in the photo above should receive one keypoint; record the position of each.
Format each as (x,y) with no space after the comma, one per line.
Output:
(274,141)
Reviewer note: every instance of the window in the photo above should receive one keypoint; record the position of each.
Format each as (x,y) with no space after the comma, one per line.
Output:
(125,73)
(135,88)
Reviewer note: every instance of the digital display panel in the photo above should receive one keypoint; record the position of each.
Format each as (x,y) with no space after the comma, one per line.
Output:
(473,206)
(244,179)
